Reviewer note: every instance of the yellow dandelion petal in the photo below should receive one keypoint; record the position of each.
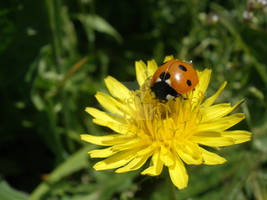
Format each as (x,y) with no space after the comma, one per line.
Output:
(167,58)
(102,153)
(117,89)
(166,156)
(178,173)
(146,150)
(117,160)
(217,111)
(212,99)
(204,79)
(189,153)
(141,72)
(134,164)
(233,119)
(111,104)
(101,115)
(212,139)
(115,126)
(151,68)
(107,140)
(156,165)
(211,158)
(238,136)
(213,126)
(171,133)
(130,144)
(220,124)
(111,121)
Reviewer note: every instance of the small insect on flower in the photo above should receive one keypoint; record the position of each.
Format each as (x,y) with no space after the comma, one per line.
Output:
(164,133)
(173,79)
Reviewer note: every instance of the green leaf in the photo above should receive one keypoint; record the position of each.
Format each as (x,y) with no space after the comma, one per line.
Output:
(97,23)
(110,183)
(8,193)
(75,163)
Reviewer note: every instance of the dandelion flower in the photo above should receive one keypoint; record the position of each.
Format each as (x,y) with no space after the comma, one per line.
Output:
(162,133)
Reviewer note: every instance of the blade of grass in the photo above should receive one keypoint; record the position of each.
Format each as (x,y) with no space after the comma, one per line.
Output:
(72,70)
(232,28)
(75,163)
(53,8)
(8,193)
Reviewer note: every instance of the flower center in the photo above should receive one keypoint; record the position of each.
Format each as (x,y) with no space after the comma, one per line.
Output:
(163,122)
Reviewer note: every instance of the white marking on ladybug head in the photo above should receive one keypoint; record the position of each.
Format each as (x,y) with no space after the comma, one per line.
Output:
(158,80)
(168,81)
(169,97)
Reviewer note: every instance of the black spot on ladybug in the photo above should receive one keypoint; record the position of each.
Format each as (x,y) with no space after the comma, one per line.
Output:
(188,82)
(161,76)
(164,76)
(167,76)
(182,68)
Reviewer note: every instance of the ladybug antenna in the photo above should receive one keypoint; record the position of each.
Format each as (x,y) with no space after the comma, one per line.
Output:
(167,69)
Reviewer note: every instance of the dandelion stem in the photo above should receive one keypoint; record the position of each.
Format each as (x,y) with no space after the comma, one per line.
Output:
(171,188)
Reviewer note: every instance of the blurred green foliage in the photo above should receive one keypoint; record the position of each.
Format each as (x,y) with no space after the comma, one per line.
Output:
(55,55)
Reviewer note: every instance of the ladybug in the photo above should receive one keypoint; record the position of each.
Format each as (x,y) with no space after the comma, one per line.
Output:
(173,79)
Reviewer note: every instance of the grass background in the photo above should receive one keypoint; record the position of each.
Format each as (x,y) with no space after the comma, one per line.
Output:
(54,57)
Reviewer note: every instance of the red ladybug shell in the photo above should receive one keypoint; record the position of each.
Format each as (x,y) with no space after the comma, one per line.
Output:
(179,75)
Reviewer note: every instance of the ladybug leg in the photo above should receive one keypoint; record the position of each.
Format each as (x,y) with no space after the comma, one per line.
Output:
(184,98)
(179,95)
